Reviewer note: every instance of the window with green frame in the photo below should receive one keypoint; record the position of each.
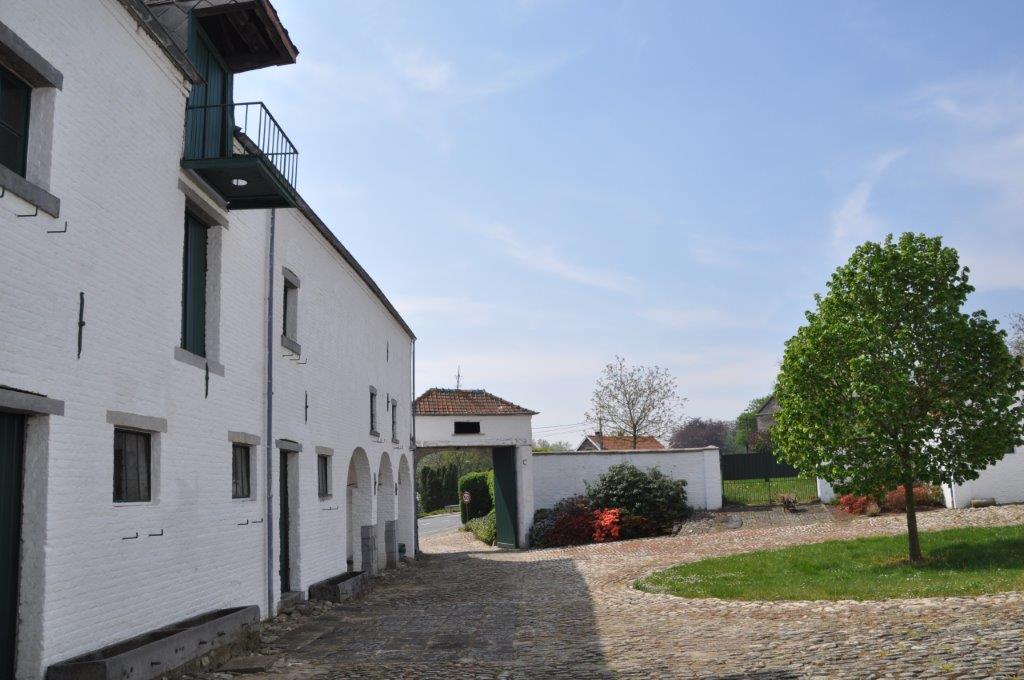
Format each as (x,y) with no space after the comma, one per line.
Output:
(15,96)
(193,287)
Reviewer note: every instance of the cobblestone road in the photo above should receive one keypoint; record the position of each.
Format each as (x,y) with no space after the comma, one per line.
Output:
(467,611)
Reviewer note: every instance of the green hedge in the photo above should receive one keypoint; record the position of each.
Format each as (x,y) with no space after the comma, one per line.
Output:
(438,487)
(480,486)
(484,528)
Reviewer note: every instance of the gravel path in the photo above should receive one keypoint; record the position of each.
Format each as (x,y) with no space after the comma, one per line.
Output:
(468,611)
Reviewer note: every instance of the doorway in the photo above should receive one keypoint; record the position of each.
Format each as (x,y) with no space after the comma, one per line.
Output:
(505,498)
(12,453)
(284,527)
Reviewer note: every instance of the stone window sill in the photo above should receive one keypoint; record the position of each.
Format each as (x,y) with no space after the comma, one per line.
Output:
(184,356)
(29,192)
(291,345)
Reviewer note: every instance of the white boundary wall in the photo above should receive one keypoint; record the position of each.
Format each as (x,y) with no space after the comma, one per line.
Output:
(1003,482)
(560,475)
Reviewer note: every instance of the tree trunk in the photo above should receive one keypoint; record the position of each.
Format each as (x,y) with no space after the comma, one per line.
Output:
(913,541)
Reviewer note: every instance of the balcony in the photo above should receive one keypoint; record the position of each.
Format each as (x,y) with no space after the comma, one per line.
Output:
(241,151)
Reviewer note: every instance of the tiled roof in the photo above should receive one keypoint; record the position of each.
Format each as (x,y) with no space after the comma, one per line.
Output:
(438,401)
(613,443)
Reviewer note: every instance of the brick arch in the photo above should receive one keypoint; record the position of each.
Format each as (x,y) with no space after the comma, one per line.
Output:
(358,505)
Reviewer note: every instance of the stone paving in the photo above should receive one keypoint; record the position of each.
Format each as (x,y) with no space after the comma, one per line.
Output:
(468,611)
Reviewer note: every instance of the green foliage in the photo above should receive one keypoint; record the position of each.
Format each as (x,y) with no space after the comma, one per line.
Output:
(485,528)
(746,423)
(890,383)
(480,486)
(961,562)
(649,494)
(544,446)
(438,487)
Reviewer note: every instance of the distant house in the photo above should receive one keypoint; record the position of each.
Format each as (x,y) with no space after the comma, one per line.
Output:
(605,442)
(766,414)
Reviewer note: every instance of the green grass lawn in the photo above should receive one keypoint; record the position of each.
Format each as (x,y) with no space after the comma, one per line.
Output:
(756,491)
(957,562)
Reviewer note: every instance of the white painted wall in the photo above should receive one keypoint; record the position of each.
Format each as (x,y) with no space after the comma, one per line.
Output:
(438,431)
(117,140)
(560,475)
(825,491)
(1003,481)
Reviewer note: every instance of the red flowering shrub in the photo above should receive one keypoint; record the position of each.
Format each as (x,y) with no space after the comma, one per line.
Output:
(570,529)
(854,505)
(606,524)
(924,496)
(891,501)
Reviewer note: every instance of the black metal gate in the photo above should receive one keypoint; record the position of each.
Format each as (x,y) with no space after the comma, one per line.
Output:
(759,479)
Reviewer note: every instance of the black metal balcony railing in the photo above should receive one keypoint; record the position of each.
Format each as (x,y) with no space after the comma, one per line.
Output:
(211,133)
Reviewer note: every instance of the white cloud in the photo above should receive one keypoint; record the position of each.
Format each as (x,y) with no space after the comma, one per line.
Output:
(693,318)
(424,71)
(852,220)
(979,143)
(544,258)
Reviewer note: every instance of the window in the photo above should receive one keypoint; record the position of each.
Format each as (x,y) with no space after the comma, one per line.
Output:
(467,427)
(290,311)
(193,287)
(131,466)
(15,96)
(241,471)
(394,420)
(323,466)
(373,412)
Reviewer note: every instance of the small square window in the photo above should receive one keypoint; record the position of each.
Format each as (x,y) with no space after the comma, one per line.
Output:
(323,466)
(467,427)
(132,460)
(241,471)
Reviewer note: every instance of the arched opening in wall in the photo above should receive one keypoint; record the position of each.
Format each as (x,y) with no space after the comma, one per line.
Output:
(406,518)
(358,507)
(387,539)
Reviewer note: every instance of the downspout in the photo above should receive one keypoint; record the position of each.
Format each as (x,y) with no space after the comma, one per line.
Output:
(415,497)
(270,419)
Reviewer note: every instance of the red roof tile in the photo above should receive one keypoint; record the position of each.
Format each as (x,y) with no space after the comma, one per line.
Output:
(608,442)
(438,401)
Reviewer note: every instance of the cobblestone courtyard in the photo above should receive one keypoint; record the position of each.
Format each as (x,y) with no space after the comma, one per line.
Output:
(467,611)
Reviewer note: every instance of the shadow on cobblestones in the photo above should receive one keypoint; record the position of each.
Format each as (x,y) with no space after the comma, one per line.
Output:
(458,614)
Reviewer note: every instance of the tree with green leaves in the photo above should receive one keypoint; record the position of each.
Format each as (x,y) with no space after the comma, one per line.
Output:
(746,423)
(891,384)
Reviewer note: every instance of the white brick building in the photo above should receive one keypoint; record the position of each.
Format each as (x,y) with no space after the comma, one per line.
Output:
(107,341)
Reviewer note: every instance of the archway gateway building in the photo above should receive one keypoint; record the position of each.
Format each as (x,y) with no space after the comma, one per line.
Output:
(452,419)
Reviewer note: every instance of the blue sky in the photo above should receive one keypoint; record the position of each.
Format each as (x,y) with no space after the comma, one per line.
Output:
(541,185)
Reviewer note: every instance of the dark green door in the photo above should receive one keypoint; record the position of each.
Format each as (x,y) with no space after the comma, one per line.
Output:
(283,528)
(12,438)
(209,124)
(505,503)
